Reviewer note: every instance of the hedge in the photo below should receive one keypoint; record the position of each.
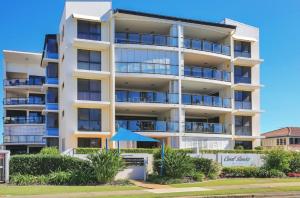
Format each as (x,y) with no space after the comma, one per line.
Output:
(240,172)
(45,164)
(210,168)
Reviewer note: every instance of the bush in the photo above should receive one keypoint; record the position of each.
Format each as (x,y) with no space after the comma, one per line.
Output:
(278,159)
(240,171)
(175,165)
(84,176)
(49,151)
(157,179)
(60,178)
(198,176)
(210,168)
(273,173)
(45,164)
(23,180)
(239,147)
(295,163)
(259,148)
(106,165)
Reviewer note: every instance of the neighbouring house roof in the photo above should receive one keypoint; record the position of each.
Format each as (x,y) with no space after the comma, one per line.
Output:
(283,132)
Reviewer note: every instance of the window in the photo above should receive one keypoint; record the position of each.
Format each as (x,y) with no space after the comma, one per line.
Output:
(245,144)
(294,140)
(242,74)
(52,70)
(89,60)
(52,120)
(242,99)
(89,89)
(89,142)
(89,119)
(89,30)
(242,49)
(281,141)
(243,125)
(52,142)
(52,95)
(36,80)
(52,48)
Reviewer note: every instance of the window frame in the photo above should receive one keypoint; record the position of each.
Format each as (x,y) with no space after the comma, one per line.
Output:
(89,118)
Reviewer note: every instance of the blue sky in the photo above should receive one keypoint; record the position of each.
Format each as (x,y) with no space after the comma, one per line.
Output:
(24,24)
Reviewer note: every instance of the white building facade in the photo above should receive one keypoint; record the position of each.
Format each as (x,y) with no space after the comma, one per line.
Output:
(190,83)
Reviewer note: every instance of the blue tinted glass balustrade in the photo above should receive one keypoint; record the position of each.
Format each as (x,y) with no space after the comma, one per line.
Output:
(242,54)
(37,139)
(92,96)
(148,125)
(243,105)
(207,73)
(24,120)
(22,82)
(204,127)
(146,39)
(24,101)
(208,46)
(243,130)
(206,100)
(241,79)
(89,125)
(146,97)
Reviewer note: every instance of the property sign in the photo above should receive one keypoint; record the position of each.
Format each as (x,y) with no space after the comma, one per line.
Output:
(239,159)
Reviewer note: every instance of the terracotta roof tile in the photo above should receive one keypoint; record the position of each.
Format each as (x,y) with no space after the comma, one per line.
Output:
(287,131)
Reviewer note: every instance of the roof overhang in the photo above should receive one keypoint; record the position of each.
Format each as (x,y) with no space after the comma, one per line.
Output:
(86,17)
(22,57)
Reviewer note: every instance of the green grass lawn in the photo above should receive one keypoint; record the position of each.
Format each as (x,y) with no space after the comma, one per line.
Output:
(238,181)
(40,190)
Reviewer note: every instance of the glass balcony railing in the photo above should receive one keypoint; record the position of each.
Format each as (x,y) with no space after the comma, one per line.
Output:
(243,130)
(241,79)
(207,46)
(206,100)
(93,96)
(203,127)
(24,101)
(242,54)
(243,105)
(146,39)
(146,68)
(148,125)
(207,73)
(25,139)
(51,55)
(146,97)
(22,82)
(95,36)
(89,125)
(24,120)
(89,65)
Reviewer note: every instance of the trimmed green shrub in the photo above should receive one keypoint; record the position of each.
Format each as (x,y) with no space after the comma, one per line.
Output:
(210,168)
(278,159)
(45,164)
(273,173)
(175,165)
(239,147)
(198,176)
(49,151)
(23,180)
(106,165)
(259,148)
(60,178)
(157,179)
(295,163)
(240,171)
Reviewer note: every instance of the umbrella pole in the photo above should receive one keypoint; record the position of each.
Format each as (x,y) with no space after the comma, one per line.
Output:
(106,144)
(162,157)
(118,146)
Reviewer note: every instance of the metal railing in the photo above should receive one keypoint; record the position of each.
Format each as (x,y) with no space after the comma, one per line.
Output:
(146,39)
(24,101)
(22,82)
(206,100)
(86,95)
(24,120)
(146,97)
(207,73)
(204,127)
(243,130)
(242,105)
(208,46)
(148,125)
(29,139)
(147,68)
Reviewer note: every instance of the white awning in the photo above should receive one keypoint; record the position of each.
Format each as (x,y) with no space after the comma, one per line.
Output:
(244,38)
(86,17)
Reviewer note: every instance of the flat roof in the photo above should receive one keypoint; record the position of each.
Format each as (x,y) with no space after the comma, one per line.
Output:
(21,56)
(131,12)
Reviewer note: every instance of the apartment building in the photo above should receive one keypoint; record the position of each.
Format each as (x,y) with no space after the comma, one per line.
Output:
(191,83)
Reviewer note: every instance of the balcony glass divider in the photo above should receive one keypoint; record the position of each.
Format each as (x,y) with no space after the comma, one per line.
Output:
(148,125)
(24,101)
(206,100)
(207,73)
(204,127)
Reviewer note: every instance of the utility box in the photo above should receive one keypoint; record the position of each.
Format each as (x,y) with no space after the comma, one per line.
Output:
(4,166)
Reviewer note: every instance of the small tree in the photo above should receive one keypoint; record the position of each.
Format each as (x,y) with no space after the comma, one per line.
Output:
(106,165)
(295,163)
(49,151)
(278,159)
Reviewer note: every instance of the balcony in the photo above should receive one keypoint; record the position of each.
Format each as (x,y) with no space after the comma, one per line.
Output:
(207,73)
(51,81)
(243,130)
(89,125)
(147,97)
(24,101)
(92,96)
(146,39)
(24,82)
(243,54)
(207,46)
(52,131)
(243,105)
(241,79)
(148,125)
(23,139)
(146,68)
(206,100)
(24,120)
(206,128)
